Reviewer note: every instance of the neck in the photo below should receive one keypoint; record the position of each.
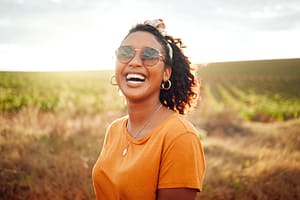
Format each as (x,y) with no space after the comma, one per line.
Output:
(139,114)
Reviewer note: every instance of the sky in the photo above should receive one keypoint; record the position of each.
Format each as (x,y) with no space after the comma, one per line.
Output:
(52,35)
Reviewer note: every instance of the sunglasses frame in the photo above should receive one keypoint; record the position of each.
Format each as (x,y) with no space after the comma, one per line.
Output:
(161,57)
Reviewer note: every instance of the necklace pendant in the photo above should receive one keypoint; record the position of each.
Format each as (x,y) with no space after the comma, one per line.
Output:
(124,152)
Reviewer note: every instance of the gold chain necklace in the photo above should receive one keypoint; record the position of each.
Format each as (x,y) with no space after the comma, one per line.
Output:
(140,131)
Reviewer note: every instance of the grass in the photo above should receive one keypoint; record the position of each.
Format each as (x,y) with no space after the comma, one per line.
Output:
(49,156)
(42,158)
(250,160)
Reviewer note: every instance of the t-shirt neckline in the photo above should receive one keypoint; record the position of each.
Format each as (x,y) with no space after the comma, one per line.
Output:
(143,139)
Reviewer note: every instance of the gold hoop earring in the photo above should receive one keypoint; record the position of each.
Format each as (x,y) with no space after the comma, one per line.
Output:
(113,80)
(166,85)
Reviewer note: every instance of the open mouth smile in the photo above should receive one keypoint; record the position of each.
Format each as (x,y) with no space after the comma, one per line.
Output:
(135,78)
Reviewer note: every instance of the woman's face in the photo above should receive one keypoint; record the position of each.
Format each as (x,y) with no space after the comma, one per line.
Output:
(137,81)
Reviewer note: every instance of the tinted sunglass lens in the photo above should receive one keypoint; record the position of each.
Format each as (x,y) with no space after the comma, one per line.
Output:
(150,56)
(125,54)
(150,53)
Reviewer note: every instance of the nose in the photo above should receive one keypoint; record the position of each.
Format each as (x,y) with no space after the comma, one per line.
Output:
(136,60)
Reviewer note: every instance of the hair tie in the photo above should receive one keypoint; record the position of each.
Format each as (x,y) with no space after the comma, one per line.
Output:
(161,27)
(158,24)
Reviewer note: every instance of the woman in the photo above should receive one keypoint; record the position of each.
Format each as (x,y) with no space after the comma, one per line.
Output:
(154,152)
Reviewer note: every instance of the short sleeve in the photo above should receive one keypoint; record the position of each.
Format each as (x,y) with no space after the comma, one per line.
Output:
(182,163)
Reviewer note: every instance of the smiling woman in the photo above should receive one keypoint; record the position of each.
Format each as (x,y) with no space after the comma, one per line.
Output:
(154,151)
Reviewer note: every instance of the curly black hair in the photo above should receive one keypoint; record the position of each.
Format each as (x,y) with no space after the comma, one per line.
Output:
(184,92)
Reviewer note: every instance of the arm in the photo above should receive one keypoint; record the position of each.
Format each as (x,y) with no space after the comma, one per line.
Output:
(176,194)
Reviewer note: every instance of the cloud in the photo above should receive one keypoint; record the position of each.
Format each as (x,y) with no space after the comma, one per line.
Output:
(28,17)
(37,19)
(246,15)
(208,26)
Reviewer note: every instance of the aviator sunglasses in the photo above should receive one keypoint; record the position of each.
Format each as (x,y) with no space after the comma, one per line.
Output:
(148,55)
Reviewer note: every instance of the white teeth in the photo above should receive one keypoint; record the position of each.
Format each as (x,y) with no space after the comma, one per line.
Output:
(135,76)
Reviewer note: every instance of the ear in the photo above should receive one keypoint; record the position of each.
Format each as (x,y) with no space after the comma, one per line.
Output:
(167,73)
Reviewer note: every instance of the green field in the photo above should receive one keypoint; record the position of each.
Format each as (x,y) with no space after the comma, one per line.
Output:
(77,92)
(52,126)
(257,90)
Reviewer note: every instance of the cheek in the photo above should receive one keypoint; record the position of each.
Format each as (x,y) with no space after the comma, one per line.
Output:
(157,75)
(118,72)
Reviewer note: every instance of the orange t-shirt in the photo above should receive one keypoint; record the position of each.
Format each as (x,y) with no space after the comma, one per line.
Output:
(170,156)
